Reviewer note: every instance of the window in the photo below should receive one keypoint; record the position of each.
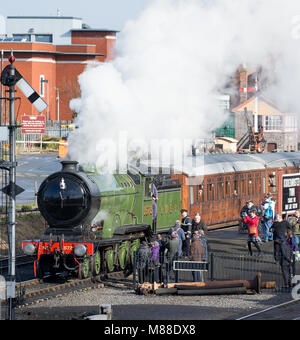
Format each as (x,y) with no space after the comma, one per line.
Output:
(273,123)
(200,193)
(227,188)
(243,186)
(42,86)
(251,189)
(291,123)
(258,184)
(210,192)
(192,195)
(22,37)
(235,192)
(46,38)
(220,189)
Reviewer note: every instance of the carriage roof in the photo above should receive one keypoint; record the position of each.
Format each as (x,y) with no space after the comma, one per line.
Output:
(209,164)
(221,163)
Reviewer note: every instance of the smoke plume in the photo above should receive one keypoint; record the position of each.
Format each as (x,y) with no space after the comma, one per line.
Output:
(172,65)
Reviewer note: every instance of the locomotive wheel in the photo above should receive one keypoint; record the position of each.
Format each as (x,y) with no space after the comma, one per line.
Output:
(84,268)
(109,255)
(135,246)
(96,264)
(123,254)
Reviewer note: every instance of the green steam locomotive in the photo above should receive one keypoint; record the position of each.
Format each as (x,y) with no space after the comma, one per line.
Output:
(95,222)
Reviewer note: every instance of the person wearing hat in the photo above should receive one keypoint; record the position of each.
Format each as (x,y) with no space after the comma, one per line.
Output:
(186,225)
(180,235)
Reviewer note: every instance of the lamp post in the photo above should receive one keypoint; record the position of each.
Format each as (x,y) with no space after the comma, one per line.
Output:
(57,109)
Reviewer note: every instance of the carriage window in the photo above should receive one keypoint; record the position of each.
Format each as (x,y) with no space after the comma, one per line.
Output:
(227,189)
(200,193)
(243,184)
(258,185)
(250,186)
(235,192)
(220,190)
(264,184)
(191,195)
(210,192)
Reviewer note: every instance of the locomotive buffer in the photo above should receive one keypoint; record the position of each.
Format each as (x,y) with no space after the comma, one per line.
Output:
(10,77)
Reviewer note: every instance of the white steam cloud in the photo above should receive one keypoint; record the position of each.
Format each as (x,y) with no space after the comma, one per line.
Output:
(172,64)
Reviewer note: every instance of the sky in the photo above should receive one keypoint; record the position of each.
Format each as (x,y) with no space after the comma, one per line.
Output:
(110,14)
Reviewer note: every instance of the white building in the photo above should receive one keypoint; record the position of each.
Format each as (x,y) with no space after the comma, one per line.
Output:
(2,26)
(52,29)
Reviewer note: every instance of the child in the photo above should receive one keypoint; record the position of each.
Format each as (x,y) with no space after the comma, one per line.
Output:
(252,223)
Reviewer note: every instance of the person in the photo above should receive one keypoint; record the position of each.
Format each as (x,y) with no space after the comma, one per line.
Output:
(171,252)
(268,213)
(279,229)
(196,255)
(155,260)
(186,225)
(198,224)
(252,223)
(154,196)
(291,241)
(246,209)
(294,221)
(143,261)
(286,259)
(180,235)
(204,242)
(162,248)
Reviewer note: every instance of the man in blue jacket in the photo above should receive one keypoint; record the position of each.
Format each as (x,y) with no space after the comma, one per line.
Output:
(180,235)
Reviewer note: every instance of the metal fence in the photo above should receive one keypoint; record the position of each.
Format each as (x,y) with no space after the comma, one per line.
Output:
(220,267)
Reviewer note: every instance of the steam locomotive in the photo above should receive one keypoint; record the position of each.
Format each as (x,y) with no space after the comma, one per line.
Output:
(95,222)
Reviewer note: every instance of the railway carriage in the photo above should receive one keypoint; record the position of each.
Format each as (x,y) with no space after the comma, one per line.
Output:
(219,188)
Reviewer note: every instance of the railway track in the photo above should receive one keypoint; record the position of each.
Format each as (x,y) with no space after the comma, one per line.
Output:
(35,291)
(286,311)
(21,260)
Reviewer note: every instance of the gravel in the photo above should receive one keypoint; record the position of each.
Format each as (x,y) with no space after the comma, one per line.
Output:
(129,306)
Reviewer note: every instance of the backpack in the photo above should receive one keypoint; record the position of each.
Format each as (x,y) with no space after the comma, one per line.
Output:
(269,211)
(176,232)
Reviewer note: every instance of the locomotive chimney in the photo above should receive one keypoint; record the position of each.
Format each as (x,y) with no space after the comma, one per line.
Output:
(69,166)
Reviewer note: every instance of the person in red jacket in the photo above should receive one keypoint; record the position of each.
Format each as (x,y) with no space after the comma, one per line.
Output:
(252,223)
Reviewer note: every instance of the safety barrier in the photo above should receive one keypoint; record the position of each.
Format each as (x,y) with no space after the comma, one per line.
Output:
(220,267)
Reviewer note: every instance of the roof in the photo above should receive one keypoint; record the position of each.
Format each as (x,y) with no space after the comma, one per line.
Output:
(42,17)
(94,30)
(260,97)
(210,164)
(222,163)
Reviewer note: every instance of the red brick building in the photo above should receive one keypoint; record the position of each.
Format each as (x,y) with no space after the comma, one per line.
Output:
(53,69)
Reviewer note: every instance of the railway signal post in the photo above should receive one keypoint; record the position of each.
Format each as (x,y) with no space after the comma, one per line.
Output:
(11,190)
